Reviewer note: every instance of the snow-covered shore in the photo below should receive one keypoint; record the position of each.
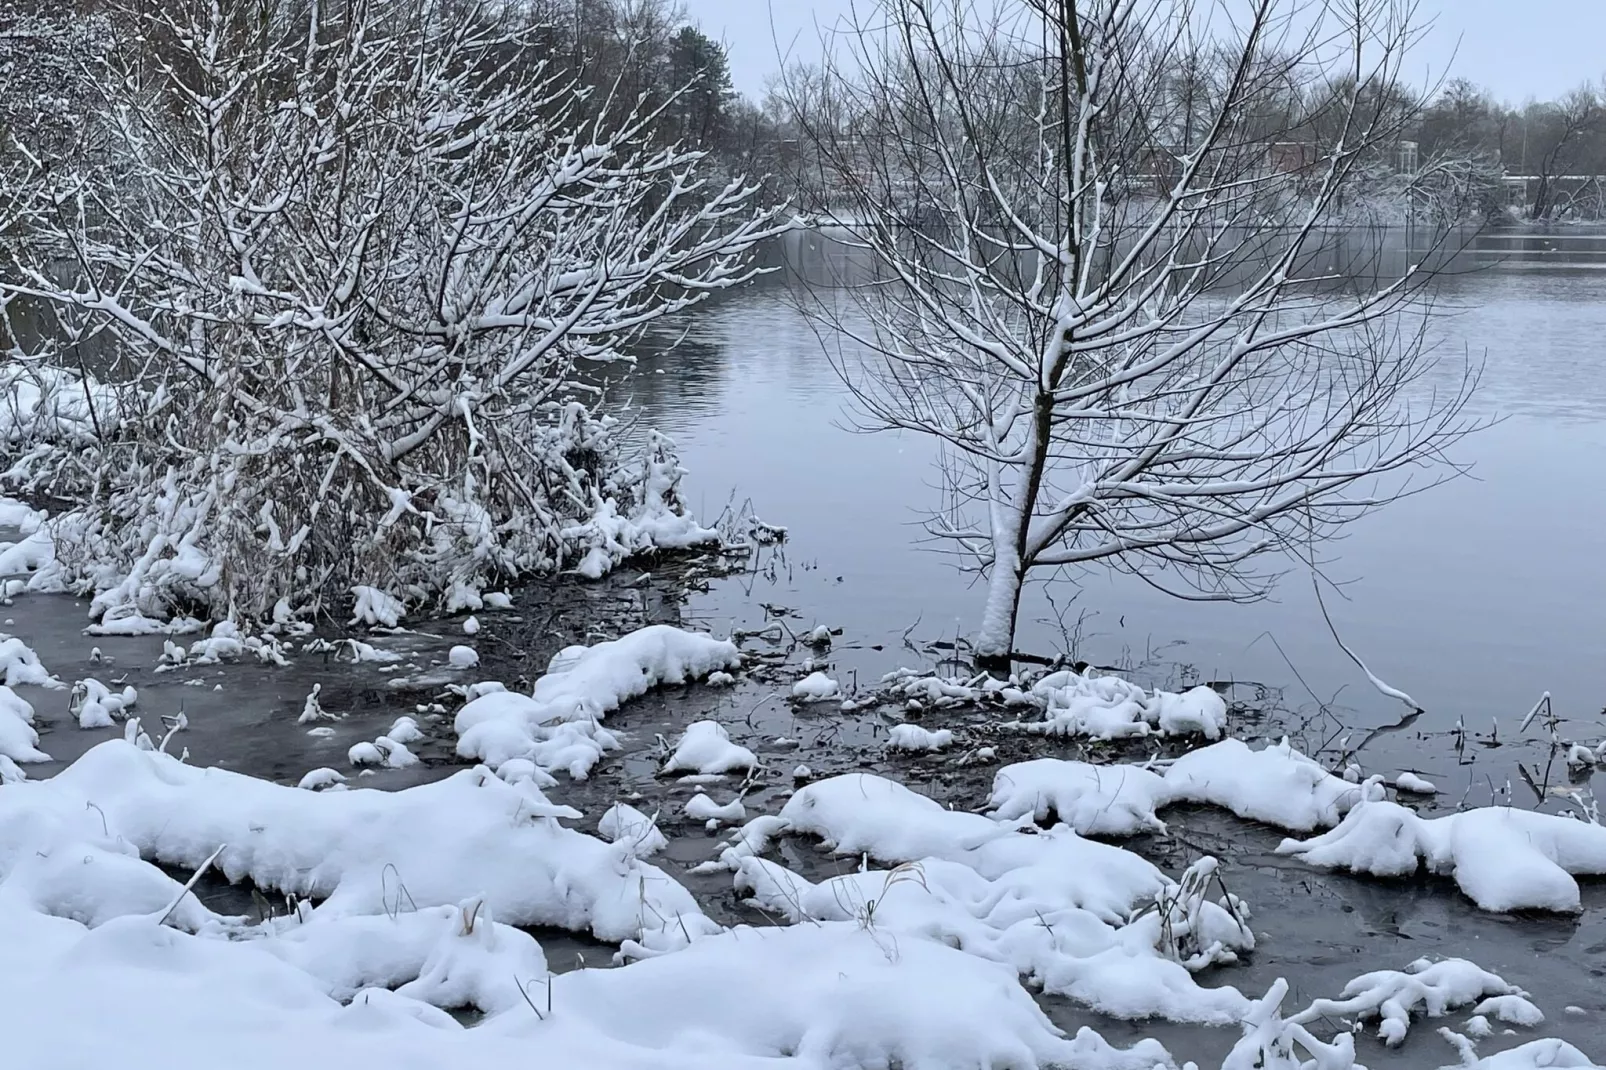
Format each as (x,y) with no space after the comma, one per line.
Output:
(402,905)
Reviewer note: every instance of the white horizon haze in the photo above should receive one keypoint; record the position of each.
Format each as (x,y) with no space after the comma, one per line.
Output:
(1536,50)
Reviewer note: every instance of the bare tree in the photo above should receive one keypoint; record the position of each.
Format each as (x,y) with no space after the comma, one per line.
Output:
(351,256)
(1561,136)
(1111,284)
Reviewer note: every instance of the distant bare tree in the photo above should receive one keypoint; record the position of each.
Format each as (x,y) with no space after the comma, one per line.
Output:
(1562,135)
(1107,281)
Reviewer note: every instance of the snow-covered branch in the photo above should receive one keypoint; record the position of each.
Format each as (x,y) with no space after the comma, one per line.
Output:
(350,259)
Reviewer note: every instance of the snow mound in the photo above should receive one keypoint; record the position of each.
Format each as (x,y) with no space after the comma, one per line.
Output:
(1547,1054)
(1277,785)
(405,730)
(96,704)
(323,779)
(1410,782)
(913,737)
(702,808)
(470,834)
(1137,970)
(226,643)
(558,725)
(1079,918)
(816,687)
(1108,707)
(19,665)
(861,813)
(623,823)
(19,742)
(706,748)
(1095,800)
(1502,858)
(937,692)
(837,995)
(1431,989)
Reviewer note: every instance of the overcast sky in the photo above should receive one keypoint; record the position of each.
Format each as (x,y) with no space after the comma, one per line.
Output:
(1517,48)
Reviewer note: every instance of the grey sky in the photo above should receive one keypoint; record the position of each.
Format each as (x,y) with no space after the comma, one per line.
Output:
(1517,48)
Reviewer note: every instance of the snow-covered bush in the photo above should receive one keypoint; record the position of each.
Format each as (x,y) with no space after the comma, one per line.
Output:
(344,276)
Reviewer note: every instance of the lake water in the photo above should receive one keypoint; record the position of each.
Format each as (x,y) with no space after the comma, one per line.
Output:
(1475,597)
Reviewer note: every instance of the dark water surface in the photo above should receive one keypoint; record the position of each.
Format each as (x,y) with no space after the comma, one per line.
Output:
(1475,597)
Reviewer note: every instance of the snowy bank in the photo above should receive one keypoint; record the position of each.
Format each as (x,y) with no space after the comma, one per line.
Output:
(360,851)
(558,725)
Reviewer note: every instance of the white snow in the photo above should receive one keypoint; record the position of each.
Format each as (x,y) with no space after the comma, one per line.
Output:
(405,730)
(558,725)
(1547,1054)
(706,749)
(396,755)
(1095,800)
(623,823)
(312,710)
(321,779)
(1048,908)
(19,665)
(816,687)
(702,808)
(376,608)
(1108,707)
(462,657)
(1503,858)
(1427,988)
(470,834)
(1277,785)
(471,626)
(97,704)
(913,737)
(19,742)
(1417,785)
(365,754)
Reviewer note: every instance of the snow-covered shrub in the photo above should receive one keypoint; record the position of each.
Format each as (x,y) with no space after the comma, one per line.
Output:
(392,403)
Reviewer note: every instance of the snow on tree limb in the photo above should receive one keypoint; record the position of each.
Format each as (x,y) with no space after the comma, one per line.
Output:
(352,271)
(1113,291)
